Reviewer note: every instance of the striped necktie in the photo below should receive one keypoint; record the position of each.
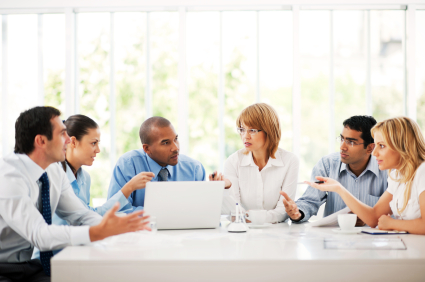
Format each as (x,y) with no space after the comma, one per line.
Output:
(163,174)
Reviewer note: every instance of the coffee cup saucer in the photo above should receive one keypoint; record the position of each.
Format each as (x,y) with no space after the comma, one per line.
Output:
(251,225)
(350,231)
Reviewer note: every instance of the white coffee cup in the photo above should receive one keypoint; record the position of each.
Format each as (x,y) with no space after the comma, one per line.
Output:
(347,221)
(257,217)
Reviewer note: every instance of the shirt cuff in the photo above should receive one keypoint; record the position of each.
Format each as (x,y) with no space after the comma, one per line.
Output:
(80,235)
(119,197)
(301,218)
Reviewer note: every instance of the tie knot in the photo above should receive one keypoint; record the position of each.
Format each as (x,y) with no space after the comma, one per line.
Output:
(44,178)
(163,174)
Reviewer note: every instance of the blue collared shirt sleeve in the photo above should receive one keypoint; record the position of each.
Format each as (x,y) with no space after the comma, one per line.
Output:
(313,198)
(120,176)
(200,173)
(83,188)
(118,197)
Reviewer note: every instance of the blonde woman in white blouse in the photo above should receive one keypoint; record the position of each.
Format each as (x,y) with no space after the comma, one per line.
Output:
(400,148)
(258,172)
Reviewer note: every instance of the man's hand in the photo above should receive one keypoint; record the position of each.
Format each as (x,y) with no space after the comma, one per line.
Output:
(220,177)
(137,182)
(113,225)
(290,207)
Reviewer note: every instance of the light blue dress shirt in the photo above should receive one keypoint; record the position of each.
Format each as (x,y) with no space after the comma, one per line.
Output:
(137,161)
(367,187)
(81,187)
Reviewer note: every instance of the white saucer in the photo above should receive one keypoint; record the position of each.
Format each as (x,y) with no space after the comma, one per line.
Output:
(353,231)
(267,224)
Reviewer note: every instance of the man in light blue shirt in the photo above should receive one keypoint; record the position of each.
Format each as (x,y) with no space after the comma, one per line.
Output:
(354,167)
(160,155)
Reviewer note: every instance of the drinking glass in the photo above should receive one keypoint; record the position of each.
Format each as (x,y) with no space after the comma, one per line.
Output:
(152,223)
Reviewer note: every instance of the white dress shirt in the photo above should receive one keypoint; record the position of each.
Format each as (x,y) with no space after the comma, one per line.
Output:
(22,226)
(413,209)
(254,189)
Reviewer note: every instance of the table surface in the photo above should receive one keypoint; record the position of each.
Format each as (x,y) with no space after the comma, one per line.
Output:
(294,246)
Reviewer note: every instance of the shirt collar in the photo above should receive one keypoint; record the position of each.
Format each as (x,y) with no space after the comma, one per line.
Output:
(34,170)
(372,165)
(155,167)
(249,161)
(276,162)
(70,174)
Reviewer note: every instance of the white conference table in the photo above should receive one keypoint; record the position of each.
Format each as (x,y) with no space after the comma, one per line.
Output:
(281,252)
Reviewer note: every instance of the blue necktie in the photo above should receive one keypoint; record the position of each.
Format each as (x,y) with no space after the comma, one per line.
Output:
(163,174)
(47,215)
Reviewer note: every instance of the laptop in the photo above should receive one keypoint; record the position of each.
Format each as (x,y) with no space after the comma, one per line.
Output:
(184,204)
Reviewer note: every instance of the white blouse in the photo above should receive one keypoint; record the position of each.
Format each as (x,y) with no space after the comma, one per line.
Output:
(412,210)
(254,189)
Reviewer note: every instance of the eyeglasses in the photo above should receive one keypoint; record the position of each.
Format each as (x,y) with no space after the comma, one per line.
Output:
(251,132)
(348,142)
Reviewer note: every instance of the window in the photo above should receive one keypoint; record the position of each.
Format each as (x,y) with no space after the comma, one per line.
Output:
(314,53)
(239,64)
(21,70)
(165,60)
(203,64)
(387,33)
(349,66)
(54,60)
(129,67)
(130,34)
(275,68)
(420,68)
(93,51)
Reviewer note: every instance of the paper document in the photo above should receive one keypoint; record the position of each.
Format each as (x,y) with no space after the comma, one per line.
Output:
(368,243)
(330,220)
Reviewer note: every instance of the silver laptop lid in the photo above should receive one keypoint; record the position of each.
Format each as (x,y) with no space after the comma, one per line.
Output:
(185,204)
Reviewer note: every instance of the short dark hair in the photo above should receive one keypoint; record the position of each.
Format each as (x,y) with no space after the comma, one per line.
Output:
(147,125)
(31,123)
(363,124)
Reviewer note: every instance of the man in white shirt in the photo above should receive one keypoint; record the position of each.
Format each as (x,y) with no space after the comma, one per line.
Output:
(33,186)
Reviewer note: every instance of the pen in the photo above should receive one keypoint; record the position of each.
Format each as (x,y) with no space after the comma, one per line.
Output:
(237,213)
(317,182)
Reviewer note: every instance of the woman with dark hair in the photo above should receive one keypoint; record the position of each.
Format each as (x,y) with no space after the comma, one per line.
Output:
(81,151)
(84,146)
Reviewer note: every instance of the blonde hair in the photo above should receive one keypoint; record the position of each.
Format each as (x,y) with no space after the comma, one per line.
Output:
(262,117)
(404,136)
